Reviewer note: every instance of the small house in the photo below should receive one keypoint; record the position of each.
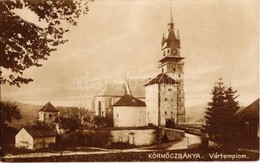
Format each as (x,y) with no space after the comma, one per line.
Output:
(248,122)
(47,113)
(32,138)
(129,111)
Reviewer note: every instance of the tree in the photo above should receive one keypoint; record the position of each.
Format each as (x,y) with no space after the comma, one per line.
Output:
(80,114)
(99,121)
(23,44)
(231,97)
(71,120)
(219,113)
(9,112)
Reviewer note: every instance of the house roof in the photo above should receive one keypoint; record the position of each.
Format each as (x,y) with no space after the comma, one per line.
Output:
(251,112)
(128,100)
(49,108)
(161,78)
(37,133)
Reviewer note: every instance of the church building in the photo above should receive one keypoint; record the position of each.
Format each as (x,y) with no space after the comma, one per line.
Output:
(165,94)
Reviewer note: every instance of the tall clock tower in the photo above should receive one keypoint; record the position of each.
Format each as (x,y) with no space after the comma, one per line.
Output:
(172,64)
(164,94)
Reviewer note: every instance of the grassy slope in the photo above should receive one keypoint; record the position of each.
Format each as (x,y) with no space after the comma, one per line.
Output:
(29,114)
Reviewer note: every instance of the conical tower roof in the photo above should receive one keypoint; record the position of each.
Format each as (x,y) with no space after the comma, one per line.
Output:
(48,108)
(128,100)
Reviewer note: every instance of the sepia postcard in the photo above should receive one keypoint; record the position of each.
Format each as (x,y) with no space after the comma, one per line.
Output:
(122,80)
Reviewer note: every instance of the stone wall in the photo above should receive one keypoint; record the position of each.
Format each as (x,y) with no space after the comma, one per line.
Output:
(172,134)
(138,136)
(134,136)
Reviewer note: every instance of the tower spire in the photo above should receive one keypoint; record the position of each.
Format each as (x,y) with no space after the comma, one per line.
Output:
(171,15)
(171,22)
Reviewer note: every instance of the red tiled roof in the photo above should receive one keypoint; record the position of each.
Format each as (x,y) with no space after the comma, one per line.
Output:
(128,100)
(49,108)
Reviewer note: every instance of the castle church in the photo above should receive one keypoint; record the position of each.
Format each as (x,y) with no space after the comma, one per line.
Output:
(165,94)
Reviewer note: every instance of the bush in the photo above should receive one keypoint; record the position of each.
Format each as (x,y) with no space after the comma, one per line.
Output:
(103,121)
(97,138)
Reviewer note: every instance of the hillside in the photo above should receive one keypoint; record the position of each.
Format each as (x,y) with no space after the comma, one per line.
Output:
(195,113)
(29,113)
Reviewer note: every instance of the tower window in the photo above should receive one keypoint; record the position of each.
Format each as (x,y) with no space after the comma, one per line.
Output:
(99,108)
(174,69)
(106,110)
(165,112)
(171,112)
(165,99)
(179,75)
(117,115)
(168,51)
(169,89)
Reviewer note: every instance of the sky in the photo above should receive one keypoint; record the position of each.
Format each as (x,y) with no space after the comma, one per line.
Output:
(115,38)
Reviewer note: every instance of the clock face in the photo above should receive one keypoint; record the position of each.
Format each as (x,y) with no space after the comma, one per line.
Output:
(174,51)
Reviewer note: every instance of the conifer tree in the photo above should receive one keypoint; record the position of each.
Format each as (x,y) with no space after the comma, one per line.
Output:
(219,113)
(212,114)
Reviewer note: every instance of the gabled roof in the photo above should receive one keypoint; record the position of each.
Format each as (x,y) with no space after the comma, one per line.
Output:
(38,133)
(251,112)
(128,100)
(161,78)
(48,108)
